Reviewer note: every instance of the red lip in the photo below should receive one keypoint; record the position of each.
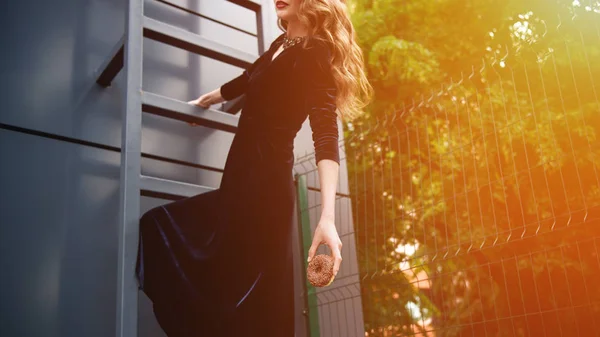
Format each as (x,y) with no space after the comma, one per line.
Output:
(280,4)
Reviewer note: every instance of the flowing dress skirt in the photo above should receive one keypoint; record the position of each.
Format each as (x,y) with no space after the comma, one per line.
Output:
(220,263)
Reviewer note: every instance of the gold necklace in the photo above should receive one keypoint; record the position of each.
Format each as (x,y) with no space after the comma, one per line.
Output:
(289,42)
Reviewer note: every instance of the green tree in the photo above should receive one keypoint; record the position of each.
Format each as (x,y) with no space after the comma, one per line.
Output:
(481,146)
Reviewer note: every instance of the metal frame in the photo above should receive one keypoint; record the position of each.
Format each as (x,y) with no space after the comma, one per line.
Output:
(180,38)
(169,189)
(311,309)
(174,109)
(129,191)
(128,54)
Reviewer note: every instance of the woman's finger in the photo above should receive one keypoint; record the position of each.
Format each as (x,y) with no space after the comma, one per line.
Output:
(337,256)
(312,249)
(199,102)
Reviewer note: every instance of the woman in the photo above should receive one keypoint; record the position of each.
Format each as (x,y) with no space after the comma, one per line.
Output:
(220,263)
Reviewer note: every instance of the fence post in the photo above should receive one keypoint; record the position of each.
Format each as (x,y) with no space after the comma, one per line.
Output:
(311,311)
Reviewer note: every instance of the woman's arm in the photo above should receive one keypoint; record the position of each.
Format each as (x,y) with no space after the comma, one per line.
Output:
(328,178)
(326,232)
(228,91)
(238,85)
(319,91)
(208,99)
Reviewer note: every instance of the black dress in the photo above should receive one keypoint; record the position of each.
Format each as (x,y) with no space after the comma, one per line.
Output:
(220,263)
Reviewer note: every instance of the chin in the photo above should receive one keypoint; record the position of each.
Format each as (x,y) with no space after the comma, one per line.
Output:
(284,15)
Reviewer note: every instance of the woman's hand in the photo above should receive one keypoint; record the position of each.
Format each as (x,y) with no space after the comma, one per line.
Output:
(326,233)
(206,100)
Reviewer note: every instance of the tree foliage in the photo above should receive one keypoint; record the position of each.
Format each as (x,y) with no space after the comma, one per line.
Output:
(477,165)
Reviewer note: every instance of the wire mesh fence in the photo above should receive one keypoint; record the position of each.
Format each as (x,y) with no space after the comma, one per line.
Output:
(474,210)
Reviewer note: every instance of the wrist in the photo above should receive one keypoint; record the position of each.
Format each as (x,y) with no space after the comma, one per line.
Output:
(215,97)
(217,91)
(328,217)
(216,94)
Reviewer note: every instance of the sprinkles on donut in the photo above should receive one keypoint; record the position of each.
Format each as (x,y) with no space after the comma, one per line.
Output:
(320,270)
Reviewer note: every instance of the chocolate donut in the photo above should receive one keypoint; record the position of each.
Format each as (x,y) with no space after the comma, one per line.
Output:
(320,270)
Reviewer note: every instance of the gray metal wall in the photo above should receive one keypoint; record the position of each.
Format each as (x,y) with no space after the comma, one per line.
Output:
(58,197)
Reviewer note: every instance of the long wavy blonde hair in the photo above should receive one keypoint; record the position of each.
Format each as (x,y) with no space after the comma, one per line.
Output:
(329,21)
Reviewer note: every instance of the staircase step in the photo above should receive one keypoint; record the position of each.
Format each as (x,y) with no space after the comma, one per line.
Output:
(171,108)
(253,5)
(181,38)
(177,37)
(234,106)
(169,189)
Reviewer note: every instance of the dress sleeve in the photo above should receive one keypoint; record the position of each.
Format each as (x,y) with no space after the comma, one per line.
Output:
(320,102)
(237,86)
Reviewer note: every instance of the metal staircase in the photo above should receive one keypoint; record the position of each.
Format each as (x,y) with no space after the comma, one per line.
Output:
(128,55)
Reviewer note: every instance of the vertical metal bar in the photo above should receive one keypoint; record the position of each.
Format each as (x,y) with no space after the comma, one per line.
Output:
(374,199)
(537,294)
(510,311)
(430,171)
(312,312)
(557,153)
(539,138)
(556,306)
(383,204)
(366,208)
(521,293)
(589,301)
(529,174)
(495,132)
(569,289)
(260,32)
(129,192)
